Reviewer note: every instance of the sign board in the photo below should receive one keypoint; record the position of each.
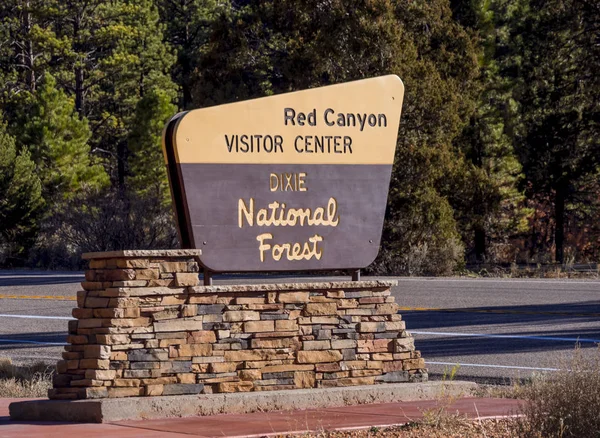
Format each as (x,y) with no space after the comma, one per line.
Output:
(296,181)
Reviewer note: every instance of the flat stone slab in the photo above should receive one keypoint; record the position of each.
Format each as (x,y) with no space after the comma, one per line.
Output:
(299,286)
(142,408)
(142,253)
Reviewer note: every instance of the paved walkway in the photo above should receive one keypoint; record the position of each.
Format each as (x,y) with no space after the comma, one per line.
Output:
(258,424)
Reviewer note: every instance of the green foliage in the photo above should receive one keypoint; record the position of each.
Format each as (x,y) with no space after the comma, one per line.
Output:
(273,47)
(28,42)
(189,25)
(115,55)
(498,143)
(558,91)
(148,171)
(20,196)
(489,201)
(58,142)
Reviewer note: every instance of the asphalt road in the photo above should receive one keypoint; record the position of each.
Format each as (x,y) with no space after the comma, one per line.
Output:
(495,329)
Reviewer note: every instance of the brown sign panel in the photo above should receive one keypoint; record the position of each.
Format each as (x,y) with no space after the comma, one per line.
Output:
(296,181)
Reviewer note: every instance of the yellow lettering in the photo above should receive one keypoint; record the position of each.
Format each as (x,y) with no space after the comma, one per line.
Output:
(280,216)
(301,182)
(247,212)
(288,181)
(263,246)
(261,218)
(292,251)
(273,182)
(317,219)
(278,251)
(317,252)
(332,217)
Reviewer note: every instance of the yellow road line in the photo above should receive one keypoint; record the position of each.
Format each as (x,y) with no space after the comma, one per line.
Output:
(496,311)
(39,297)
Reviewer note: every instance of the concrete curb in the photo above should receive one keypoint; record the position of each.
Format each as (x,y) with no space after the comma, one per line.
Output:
(141,408)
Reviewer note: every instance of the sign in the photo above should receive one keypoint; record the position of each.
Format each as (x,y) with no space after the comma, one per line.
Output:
(297,181)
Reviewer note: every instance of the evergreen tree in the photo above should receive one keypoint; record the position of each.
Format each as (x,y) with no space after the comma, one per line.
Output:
(27,42)
(20,198)
(116,55)
(148,171)
(58,143)
(489,202)
(188,28)
(556,54)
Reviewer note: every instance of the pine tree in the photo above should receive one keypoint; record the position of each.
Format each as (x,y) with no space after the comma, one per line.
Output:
(20,198)
(58,143)
(489,202)
(188,28)
(116,55)
(556,53)
(28,42)
(148,171)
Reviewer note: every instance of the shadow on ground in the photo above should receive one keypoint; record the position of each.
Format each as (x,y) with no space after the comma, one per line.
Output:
(15,341)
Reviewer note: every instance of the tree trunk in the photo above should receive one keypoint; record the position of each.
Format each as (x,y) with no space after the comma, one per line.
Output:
(480,247)
(186,69)
(29,56)
(79,101)
(559,218)
(121,168)
(79,98)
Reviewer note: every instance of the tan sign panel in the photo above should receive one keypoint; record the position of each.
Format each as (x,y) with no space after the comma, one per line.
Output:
(296,181)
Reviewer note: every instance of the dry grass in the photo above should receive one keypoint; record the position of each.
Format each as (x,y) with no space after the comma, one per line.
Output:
(565,403)
(514,388)
(453,428)
(24,380)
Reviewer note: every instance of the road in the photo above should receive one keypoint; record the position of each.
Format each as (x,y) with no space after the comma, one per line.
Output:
(496,329)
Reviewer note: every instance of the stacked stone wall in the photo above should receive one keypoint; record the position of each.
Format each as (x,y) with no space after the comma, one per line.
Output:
(144,327)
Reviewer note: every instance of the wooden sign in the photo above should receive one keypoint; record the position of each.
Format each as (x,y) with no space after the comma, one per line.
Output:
(297,181)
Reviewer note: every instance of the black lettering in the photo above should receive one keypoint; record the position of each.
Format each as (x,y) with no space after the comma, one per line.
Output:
(288,115)
(319,144)
(296,144)
(327,122)
(244,141)
(301,119)
(312,117)
(372,120)
(362,120)
(229,143)
(351,119)
(268,143)
(340,120)
(336,143)
(308,143)
(278,143)
(380,118)
(258,137)
(347,143)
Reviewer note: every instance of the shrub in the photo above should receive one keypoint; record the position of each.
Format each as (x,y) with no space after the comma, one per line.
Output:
(24,380)
(107,220)
(565,403)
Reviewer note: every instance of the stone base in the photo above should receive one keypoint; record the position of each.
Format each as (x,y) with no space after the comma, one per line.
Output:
(144,327)
(141,408)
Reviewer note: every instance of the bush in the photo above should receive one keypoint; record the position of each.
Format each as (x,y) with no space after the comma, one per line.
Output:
(420,237)
(103,221)
(565,403)
(26,380)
